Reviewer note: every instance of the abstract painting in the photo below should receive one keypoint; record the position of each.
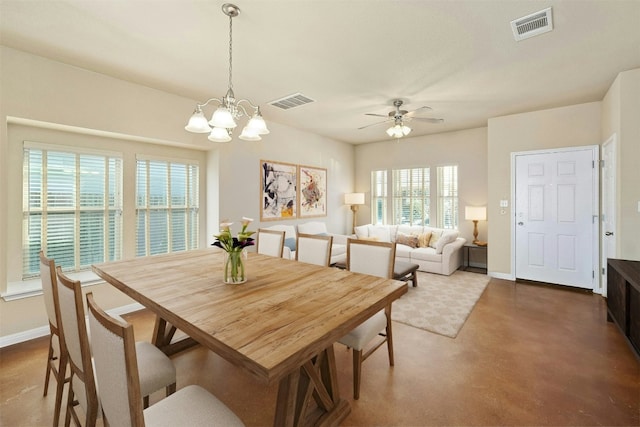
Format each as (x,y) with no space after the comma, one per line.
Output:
(278,190)
(313,191)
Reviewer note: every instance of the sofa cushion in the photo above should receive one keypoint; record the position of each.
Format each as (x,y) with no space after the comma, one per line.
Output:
(362,231)
(406,239)
(312,227)
(337,249)
(447,237)
(382,232)
(410,229)
(426,254)
(403,251)
(372,238)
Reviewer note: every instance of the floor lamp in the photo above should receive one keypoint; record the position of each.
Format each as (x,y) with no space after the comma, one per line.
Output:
(355,200)
(475,214)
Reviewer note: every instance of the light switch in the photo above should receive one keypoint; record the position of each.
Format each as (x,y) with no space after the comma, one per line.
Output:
(638,206)
(505,203)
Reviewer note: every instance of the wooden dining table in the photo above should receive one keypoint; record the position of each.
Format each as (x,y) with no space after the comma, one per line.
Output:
(280,325)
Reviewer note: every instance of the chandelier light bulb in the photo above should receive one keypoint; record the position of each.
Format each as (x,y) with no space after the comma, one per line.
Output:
(222,118)
(258,124)
(249,134)
(219,135)
(198,123)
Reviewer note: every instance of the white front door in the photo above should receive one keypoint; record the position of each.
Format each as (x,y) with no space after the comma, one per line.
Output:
(608,237)
(554,216)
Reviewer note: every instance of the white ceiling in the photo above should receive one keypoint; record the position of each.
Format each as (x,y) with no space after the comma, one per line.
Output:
(351,56)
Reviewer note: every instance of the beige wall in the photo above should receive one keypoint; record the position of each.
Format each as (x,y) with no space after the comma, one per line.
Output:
(81,107)
(576,125)
(621,113)
(467,149)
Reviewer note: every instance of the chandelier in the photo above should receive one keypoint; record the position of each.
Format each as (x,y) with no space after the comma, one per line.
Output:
(223,120)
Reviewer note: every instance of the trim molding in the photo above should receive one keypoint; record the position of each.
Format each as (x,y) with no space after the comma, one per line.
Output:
(44,330)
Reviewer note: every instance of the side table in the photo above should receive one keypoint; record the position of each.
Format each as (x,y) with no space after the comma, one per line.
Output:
(480,253)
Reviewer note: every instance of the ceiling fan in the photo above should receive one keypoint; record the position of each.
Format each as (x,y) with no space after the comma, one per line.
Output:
(399,117)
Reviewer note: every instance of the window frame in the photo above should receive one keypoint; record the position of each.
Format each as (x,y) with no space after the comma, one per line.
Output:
(112,192)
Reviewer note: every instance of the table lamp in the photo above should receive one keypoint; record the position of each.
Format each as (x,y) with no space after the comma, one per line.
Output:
(355,200)
(475,214)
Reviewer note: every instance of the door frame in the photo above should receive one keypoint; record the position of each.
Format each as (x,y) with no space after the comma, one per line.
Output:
(595,216)
(612,143)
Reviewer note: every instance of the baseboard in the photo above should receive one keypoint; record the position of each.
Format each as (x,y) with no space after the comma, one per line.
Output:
(44,330)
(503,276)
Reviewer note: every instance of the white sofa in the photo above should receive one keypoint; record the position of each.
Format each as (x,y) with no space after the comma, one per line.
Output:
(435,250)
(338,249)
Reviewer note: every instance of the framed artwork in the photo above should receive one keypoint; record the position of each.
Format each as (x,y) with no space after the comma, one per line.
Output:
(278,190)
(313,191)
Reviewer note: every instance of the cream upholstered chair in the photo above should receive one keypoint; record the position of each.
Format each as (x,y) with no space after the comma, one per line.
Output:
(57,359)
(377,259)
(156,369)
(117,373)
(270,242)
(313,249)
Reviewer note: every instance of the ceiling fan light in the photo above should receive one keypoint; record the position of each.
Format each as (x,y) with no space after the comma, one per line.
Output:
(249,134)
(390,131)
(198,123)
(219,135)
(222,118)
(405,130)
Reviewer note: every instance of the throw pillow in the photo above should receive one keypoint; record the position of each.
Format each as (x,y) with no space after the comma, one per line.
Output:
(372,238)
(423,239)
(405,239)
(435,236)
(290,242)
(447,237)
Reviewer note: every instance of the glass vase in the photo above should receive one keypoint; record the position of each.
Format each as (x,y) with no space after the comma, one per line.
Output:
(233,272)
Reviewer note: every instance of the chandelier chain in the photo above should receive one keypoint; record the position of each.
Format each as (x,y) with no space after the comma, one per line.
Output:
(230,50)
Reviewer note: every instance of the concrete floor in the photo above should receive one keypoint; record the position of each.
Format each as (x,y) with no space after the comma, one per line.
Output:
(527,355)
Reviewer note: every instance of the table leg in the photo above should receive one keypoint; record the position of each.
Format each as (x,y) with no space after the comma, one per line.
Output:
(309,395)
(163,333)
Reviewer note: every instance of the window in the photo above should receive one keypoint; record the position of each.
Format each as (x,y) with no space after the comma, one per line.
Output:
(166,206)
(72,207)
(379,197)
(448,197)
(411,196)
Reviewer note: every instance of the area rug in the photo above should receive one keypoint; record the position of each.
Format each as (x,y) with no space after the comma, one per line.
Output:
(440,304)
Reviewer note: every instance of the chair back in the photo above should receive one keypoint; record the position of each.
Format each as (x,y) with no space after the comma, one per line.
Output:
(371,257)
(50,291)
(114,350)
(314,249)
(270,242)
(76,338)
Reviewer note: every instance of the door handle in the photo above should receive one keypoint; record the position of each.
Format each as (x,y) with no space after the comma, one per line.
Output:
(521,223)
(608,233)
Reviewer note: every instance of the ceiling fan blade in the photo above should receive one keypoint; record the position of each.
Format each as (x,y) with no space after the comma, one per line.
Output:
(411,113)
(373,124)
(428,119)
(376,115)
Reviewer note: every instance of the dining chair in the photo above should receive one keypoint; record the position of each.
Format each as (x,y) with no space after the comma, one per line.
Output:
(117,373)
(314,249)
(57,357)
(270,242)
(377,259)
(156,369)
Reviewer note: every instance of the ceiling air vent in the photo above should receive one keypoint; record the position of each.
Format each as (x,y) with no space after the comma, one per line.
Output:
(291,101)
(532,25)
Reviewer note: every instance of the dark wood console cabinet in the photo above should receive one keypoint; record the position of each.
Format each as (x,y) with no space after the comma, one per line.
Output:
(623,299)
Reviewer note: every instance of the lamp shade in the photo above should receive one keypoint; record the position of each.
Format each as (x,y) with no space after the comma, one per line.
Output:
(475,213)
(354,199)
(222,118)
(219,135)
(198,123)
